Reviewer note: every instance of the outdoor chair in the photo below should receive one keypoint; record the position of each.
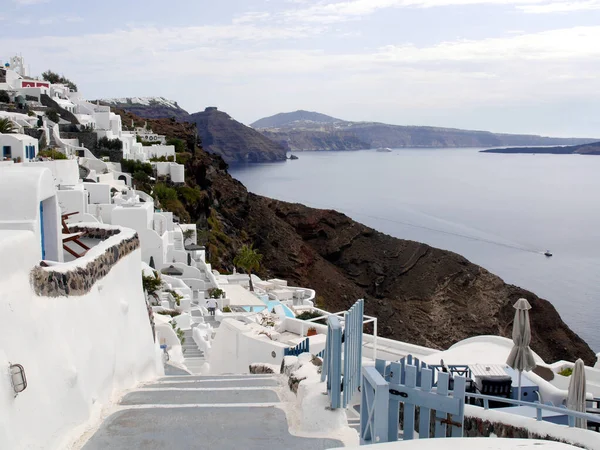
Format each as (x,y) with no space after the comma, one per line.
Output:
(67,236)
(496,387)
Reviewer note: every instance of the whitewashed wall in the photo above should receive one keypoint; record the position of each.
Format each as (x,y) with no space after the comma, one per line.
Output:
(78,352)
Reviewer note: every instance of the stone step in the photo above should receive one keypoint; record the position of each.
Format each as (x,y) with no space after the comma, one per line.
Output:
(266,382)
(246,427)
(181,397)
(215,377)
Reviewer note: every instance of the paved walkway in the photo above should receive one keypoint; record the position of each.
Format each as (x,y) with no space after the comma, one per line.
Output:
(203,412)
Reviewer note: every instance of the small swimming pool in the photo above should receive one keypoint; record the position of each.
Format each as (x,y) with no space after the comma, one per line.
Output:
(272,304)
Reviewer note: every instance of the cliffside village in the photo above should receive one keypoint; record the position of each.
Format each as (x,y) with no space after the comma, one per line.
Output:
(112,317)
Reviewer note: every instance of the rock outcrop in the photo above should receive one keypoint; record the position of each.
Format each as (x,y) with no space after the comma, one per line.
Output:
(234,141)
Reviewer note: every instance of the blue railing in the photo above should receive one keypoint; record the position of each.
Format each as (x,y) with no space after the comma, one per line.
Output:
(353,339)
(302,347)
(332,362)
(539,407)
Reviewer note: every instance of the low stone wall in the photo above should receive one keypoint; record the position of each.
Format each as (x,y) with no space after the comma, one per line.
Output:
(86,139)
(79,281)
(478,427)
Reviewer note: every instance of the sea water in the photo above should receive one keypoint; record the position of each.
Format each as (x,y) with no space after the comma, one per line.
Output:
(500,211)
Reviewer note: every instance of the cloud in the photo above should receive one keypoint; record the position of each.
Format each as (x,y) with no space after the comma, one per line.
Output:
(251,17)
(245,63)
(327,11)
(561,7)
(30,2)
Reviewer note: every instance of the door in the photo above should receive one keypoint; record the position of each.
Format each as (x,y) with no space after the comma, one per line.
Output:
(6,152)
(42,231)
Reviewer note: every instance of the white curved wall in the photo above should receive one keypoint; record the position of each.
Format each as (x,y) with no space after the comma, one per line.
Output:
(78,352)
(237,345)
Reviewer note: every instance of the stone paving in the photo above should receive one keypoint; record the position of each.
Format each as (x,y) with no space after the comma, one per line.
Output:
(203,412)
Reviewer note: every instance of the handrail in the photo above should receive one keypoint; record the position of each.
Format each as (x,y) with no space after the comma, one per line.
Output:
(538,406)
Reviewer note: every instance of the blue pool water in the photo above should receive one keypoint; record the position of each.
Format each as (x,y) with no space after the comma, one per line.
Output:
(272,304)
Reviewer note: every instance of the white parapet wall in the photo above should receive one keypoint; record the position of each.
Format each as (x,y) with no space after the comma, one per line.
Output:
(79,351)
(237,345)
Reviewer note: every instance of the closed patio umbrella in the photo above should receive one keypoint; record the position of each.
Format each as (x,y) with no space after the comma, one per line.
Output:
(576,393)
(521,356)
(172,270)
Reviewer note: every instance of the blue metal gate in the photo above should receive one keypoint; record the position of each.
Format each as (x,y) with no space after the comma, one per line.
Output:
(379,420)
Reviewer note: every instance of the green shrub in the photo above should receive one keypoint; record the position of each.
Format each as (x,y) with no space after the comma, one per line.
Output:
(566,372)
(4,97)
(169,312)
(179,332)
(179,144)
(176,296)
(163,192)
(226,309)
(141,176)
(55,78)
(52,153)
(131,166)
(306,315)
(216,293)
(53,116)
(110,144)
(151,284)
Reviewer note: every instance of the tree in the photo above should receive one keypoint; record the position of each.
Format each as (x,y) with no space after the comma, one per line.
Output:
(7,126)
(249,260)
(53,116)
(55,78)
(4,97)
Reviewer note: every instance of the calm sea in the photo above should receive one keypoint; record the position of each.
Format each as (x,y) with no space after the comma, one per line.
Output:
(499,211)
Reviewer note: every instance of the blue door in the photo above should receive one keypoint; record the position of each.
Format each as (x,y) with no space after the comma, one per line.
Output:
(6,153)
(42,230)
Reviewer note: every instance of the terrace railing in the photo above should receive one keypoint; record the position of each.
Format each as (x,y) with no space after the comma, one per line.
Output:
(539,407)
(302,347)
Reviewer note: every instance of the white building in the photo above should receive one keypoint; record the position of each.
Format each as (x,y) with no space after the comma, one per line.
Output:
(29,200)
(20,147)
(148,135)
(77,337)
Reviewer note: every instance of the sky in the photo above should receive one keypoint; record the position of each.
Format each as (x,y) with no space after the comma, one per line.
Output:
(515,66)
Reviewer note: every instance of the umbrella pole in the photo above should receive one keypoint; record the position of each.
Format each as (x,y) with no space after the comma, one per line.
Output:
(519,397)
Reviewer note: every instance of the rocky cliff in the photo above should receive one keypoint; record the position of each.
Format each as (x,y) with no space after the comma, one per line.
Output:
(313,131)
(234,141)
(420,294)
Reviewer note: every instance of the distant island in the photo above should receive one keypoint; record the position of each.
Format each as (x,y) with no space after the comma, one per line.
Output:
(585,149)
(307,130)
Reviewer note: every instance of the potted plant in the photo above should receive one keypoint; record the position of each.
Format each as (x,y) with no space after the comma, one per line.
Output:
(311,331)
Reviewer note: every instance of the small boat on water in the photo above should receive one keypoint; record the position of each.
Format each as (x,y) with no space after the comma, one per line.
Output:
(548,253)
(384,149)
